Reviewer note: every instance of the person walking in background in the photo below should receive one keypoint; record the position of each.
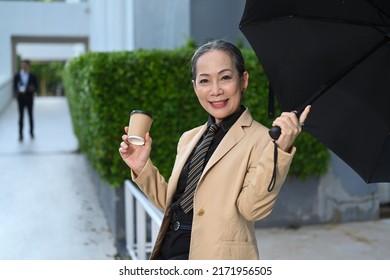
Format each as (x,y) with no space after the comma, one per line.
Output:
(25,86)
(223,179)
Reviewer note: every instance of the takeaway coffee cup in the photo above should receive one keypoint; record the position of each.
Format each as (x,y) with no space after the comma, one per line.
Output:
(139,124)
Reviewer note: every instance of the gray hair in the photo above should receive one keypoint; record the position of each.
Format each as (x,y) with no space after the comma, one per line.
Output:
(233,51)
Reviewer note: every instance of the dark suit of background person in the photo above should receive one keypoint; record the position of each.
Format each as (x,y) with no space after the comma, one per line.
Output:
(25,86)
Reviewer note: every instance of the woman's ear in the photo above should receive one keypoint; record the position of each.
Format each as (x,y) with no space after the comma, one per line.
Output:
(194,86)
(244,81)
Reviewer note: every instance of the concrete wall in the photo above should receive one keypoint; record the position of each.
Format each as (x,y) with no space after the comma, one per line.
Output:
(50,51)
(135,24)
(161,24)
(111,25)
(214,19)
(384,193)
(6,92)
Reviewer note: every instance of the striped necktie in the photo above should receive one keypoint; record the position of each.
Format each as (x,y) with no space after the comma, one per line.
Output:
(196,168)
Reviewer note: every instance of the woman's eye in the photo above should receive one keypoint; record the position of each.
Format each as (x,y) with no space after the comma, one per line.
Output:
(226,77)
(203,81)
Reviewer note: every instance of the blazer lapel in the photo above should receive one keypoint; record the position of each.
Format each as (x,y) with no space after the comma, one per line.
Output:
(182,159)
(234,135)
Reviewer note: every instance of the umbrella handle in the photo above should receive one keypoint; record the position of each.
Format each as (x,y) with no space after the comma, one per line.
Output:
(275,131)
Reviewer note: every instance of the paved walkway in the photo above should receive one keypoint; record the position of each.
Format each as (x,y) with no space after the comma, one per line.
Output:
(348,241)
(49,209)
(48,206)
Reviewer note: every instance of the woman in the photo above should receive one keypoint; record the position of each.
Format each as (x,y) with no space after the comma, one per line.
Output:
(217,221)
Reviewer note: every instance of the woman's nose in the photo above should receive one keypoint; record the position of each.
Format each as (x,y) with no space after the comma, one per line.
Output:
(216,89)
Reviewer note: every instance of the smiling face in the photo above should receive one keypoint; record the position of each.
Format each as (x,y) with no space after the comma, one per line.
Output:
(218,84)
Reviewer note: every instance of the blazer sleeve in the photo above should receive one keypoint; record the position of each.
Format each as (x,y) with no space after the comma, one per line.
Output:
(152,184)
(33,83)
(255,202)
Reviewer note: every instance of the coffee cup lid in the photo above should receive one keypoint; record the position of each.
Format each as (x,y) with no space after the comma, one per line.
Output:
(141,112)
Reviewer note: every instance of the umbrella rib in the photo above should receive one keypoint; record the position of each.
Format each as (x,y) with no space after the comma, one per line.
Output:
(344,21)
(324,88)
(323,19)
(380,11)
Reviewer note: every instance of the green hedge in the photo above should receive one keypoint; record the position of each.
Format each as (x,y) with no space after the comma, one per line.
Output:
(102,89)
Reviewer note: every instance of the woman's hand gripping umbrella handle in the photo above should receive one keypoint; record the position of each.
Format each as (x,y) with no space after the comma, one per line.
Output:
(276,131)
(292,127)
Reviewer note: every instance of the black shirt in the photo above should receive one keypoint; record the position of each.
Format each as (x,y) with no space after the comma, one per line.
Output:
(177,243)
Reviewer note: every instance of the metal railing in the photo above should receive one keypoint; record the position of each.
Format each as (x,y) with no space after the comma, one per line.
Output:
(143,221)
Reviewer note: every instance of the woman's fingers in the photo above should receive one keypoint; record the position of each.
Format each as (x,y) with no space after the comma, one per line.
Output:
(288,123)
(124,137)
(290,126)
(304,114)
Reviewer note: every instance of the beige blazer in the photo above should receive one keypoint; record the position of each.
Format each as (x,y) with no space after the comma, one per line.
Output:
(231,193)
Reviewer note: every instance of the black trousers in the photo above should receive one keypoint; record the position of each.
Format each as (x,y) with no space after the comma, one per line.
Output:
(25,101)
(180,257)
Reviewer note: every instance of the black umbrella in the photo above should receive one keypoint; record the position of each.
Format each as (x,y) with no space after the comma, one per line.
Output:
(335,55)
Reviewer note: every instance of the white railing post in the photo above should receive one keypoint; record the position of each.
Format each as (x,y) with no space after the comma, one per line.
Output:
(138,208)
(130,222)
(141,231)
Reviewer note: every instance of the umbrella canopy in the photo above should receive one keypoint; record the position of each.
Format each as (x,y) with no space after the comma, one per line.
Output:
(335,55)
